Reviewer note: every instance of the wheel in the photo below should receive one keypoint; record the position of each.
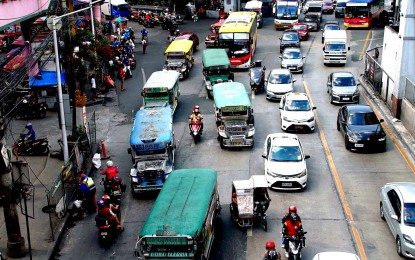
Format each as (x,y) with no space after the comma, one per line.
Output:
(381,212)
(338,125)
(331,99)
(209,94)
(46,150)
(399,246)
(222,146)
(346,143)
(265,224)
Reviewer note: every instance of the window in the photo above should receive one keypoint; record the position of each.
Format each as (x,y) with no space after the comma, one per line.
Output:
(395,203)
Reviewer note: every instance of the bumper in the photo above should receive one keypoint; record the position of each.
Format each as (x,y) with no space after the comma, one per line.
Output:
(210,43)
(139,188)
(368,145)
(298,126)
(286,183)
(245,65)
(275,96)
(293,68)
(333,60)
(344,99)
(238,141)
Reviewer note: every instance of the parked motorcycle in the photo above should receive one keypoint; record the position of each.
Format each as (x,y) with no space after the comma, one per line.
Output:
(195,126)
(257,77)
(30,108)
(28,147)
(295,244)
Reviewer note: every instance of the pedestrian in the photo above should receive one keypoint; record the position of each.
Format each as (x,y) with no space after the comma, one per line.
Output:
(144,43)
(122,76)
(88,190)
(93,89)
(118,32)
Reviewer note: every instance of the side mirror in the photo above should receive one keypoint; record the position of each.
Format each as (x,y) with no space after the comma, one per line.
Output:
(324,48)
(280,57)
(264,156)
(280,38)
(306,156)
(314,108)
(329,83)
(381,121)
(393,216)
(294,80)
(129,150)
(303,57)
(142,93)
(348,48)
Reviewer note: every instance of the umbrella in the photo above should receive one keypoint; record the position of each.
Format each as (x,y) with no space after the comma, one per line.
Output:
(120,20)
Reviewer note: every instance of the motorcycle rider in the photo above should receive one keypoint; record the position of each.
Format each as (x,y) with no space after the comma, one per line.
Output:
(291,227)
(144,33)
(110,172)
(197,116)
(291,209)
(107,200)
(31,134)
(105,211)
(271,253)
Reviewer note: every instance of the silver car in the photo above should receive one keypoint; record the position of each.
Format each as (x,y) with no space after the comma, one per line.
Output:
(292,59)
(343,88)
(397,208)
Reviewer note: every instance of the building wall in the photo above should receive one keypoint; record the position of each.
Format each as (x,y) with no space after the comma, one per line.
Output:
(11,9)
(391,48)
(408,116)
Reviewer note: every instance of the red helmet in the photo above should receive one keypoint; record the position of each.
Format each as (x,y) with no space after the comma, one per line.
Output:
(106,198)
(196,109)
(292,208)
(270,245)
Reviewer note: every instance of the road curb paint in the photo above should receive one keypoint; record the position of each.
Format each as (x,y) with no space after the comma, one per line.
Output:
(338,183)
(365,45)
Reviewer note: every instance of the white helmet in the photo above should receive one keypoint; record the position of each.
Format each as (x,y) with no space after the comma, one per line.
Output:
(110,163)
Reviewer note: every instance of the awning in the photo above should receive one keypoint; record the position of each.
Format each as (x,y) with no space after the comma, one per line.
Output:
(48,79)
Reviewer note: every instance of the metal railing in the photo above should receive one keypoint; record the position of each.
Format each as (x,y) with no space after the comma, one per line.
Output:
(410,91)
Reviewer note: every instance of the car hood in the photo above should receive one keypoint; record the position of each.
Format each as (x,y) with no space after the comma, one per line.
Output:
(365,132)
(293,62)
(344,90)
(298,115)
(280,87)
(289,42)
(285,168)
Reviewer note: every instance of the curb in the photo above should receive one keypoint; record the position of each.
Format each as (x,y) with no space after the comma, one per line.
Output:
(60,232)
(402,135)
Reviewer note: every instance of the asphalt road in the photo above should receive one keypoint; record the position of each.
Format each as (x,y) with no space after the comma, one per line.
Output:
(339,208)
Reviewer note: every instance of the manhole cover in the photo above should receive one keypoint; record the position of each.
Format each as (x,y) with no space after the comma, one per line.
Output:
(49,209)
(357,57)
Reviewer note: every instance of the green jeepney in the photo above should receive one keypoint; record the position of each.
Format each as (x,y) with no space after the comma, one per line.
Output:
(234,115)
(161,89)
(216,68)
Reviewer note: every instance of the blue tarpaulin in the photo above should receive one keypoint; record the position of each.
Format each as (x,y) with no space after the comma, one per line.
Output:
(48,79)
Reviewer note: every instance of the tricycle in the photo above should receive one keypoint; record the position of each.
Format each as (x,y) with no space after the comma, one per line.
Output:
(250,201)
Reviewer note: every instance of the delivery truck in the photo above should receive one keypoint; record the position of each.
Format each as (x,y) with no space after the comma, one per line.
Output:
(335,47)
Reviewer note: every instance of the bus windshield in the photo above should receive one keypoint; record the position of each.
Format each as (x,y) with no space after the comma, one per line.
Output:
(357,12)
(285,12)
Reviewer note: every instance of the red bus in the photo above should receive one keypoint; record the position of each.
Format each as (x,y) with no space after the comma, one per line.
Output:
(361,13)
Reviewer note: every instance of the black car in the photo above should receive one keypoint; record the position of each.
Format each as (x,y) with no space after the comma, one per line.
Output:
(290,38)
(313,21)
(361,128)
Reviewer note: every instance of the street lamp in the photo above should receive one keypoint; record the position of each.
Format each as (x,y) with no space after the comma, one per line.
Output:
(56,24)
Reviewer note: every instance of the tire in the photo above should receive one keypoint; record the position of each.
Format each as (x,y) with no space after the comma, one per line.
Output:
(381,212)
(264,224)
(46,151)
(209,94)
(399,246)
(222,146)
(346,143)
(331,99)
(338,126)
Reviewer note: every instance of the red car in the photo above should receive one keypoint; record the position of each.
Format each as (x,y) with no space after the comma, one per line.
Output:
(212,39)
(189,36)
(328,7)
(302,29)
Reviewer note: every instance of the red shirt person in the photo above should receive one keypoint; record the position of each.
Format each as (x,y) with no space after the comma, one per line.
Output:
(111,171)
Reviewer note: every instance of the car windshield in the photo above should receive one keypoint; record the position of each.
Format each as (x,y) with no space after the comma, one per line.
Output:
(290,37)
(310,18)
(297,105)
(291,55)
(327,4)
(300,27)
(341,4)
(344,82)
(285,154)
(314,9)
(409,214)
(362,118)
(332,27)
(279,78)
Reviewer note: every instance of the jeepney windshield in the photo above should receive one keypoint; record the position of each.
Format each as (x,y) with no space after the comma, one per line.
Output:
(218,70)
(234,112)
(176,58)
(156,94)
(149,152)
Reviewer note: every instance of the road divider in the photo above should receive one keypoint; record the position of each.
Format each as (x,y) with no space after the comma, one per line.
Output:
(338,183)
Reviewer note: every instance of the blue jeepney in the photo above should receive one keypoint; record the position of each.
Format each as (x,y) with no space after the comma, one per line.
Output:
(152,148)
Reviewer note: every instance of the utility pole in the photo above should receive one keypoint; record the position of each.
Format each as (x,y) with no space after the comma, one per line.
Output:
(15,241)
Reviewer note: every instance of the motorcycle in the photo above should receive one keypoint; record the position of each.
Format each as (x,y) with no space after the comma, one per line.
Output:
(107,230)
(28,147)
(257,77)
(195,127)
(295,244)
(114,188)
(31,109)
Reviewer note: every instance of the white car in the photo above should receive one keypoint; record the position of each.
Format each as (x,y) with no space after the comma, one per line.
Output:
(296,113)
(335,255)
(285,166)
(278,83)
(397,208)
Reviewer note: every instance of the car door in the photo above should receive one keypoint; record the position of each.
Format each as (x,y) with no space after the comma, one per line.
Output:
(330,84)
(394,208)
(342,118)
(267,147)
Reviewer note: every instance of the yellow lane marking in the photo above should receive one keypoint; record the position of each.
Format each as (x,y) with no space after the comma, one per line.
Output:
(365,44)
(338,183)
(395,142)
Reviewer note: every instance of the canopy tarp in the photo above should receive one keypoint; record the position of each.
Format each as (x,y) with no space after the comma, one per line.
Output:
(48,79)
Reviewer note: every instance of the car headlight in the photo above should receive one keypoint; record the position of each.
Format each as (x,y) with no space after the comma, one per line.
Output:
(356,92)
(283,65)
(334,93)
(251,131)
(408,239)
(311,119)
(303,173)
(382,139)
(270,93)
(300,64)
(134,179)
(352,139)
(286,119)
(270,173)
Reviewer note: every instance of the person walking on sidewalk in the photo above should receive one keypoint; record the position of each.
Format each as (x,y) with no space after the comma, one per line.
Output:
(88,189)
(121,74)
(144,43)
(93,89)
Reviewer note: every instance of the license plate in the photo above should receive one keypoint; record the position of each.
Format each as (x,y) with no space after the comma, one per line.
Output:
(358,145)
(236,143)
(286,184)
(298,127)
(104,233)
(346,98)
(291,68)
